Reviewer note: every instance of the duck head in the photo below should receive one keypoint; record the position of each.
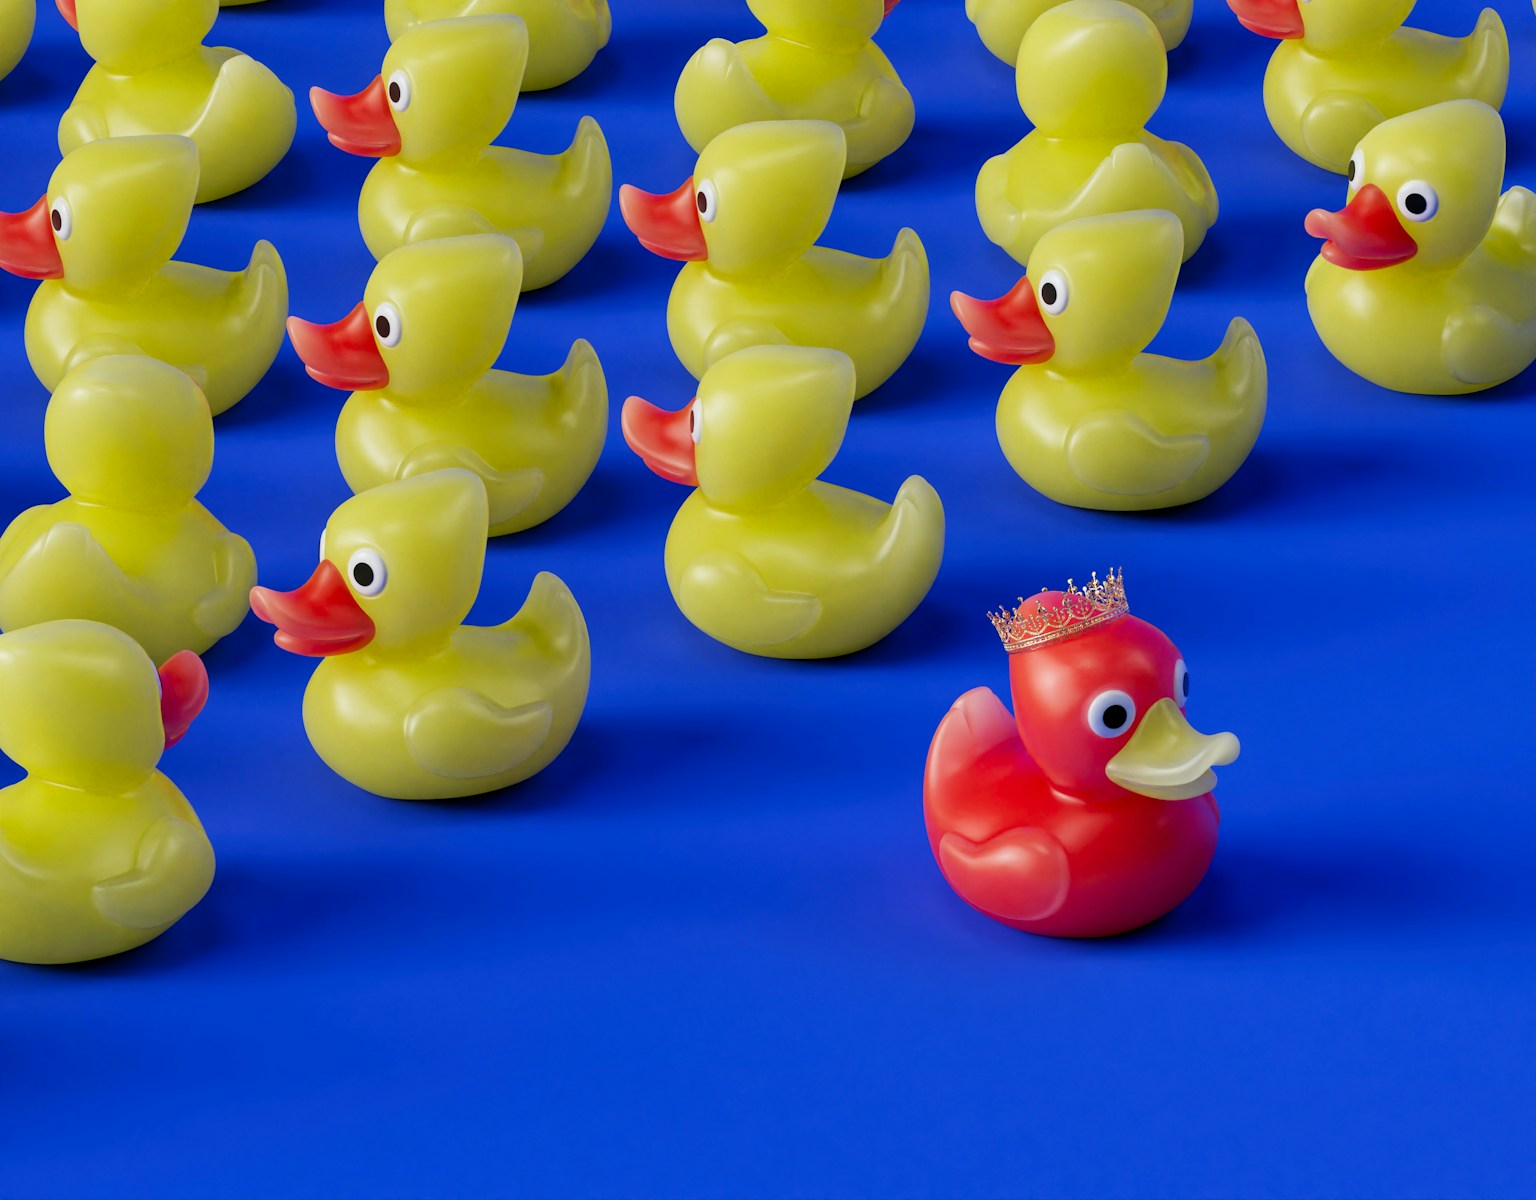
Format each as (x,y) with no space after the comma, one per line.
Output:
(432,321)
(114,214)
(758,199)
(1422,187)
(767,422)
(1074,309)
(129,432)
(82,705)
(130,36)
(400,566)
(824,24)
(1329,26)
(447,88)
(1100,706)
(1092,68)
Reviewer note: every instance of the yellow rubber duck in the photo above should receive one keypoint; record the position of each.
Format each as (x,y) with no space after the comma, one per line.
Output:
(764,556)
(446,90)
(1002,23)
(417,356)
(1091,73)
(99,852)
(746,224)
(410,703)
(1342,67)
(154,75)
(17,18)
(564,36)
(815,63)
(1427,279)
(131,439)
(101,241)
(1089,419)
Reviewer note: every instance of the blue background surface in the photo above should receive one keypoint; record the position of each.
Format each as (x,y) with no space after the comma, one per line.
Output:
(707,952)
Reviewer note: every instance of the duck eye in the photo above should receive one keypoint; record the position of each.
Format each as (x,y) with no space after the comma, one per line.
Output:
(1417,201)
(1111,714)
(695,422)
(399,91)
(1053,293)
(1180,683)
(708,200)
(62,219)
(1356,169)
(366,571)
(386,323)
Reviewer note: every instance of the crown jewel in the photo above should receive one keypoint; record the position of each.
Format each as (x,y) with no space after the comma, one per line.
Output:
(1032,625)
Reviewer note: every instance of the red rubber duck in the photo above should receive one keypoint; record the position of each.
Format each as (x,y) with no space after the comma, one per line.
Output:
(1087,811)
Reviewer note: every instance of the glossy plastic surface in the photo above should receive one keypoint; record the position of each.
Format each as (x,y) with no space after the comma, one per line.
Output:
(1427,277)
(815,63)
(1089,419)
(17,18)
(419,351)
(99,852)
(1343,67)
(445,92)
(763,556)
(1003,23)
(1051,820)
(154,75)
(1091,73)
(563,35)
(101,240)
(131,440)
(408,701)
(746,223)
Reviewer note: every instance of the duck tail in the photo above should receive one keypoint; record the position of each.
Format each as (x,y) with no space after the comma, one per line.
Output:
(585,166)
(912,534)
(906,270)
(1514,228)
(1485,69)
(976,749)
(1239,361)
(580,388)
(551,617)
(264,286)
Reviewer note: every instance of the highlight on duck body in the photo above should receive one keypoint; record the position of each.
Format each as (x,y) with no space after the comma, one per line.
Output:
(1427,277)
(1087,811)
(154,75)
(1003,23)
(418,355)
(564,36)
(745,226)
(131,440)
(446,91)
(1090,419)
(408,701)
(1343,67)
(101,241)
(815,62)
(99,852)
(1091,74)
(763,555)
(17,19)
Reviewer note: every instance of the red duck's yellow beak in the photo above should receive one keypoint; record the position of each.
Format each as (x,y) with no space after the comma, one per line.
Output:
(343,355)
(362,124)
(319,619)
(666,225)
(27,247)
(183,692)
(1167,758)
(663,440)
(67,7)
(1009,329)
(1366,235)
(1270,18)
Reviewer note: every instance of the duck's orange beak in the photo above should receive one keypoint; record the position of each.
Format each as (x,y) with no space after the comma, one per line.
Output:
(1009,329)
(183,692)
(666,225)
(27,247)
(361,124)
(67,7)
(1366,235)
(319,619)
(343,355)
(1270,18)
(663,440)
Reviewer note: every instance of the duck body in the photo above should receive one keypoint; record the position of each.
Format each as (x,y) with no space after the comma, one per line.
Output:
(1003,23)
(17,18)
(153,75)
(564,36)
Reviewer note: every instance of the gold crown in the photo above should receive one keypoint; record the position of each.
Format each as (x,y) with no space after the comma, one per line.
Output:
(1032,625)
